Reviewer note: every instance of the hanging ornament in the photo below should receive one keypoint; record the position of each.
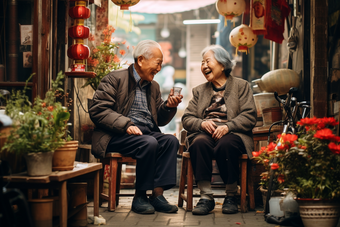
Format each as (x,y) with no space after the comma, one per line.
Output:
(125,4)
(243,38)
(230,9)
(259,10)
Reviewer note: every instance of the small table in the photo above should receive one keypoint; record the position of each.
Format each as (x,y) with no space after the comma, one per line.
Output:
(58,180)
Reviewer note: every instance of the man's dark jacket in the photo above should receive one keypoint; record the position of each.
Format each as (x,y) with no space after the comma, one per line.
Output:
(112,102)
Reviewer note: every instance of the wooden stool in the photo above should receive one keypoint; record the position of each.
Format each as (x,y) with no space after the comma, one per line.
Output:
(187,175)
(115,161)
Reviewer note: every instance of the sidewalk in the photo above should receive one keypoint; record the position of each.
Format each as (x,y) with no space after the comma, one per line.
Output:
(123,216)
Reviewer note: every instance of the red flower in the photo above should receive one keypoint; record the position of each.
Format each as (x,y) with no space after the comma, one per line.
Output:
(43,104)
(50,108)
(281,178)
(329,121)
(124,42)
(308,121)
(116,59)
(324,134)
(255,153)
(274,166)
(334,148)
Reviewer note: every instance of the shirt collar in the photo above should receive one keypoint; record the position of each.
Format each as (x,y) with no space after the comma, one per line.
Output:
(138,78)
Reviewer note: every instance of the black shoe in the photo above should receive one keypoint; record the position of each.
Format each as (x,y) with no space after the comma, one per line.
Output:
(162,205)
(141,205)
(230,205)
(203,207)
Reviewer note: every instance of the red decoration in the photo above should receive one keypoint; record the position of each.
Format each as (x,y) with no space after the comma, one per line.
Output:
(279,10)
(125,4)
(79,32)
(78,52)
(259,10)
(79,12)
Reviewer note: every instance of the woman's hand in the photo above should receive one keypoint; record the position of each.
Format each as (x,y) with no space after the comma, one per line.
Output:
(219,132)
(208,126)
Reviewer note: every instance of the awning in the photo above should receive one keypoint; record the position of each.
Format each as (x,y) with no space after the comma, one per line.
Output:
(168,6)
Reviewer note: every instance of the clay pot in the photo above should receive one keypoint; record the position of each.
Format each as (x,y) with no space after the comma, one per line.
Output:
(263,101)
(64,157)
(42,212)
(279,80)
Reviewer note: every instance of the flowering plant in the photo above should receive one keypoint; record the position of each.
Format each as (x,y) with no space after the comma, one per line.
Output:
(41,126)
(309,162)
(104,58)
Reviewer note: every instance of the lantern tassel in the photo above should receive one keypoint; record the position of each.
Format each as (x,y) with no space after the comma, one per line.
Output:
(236,51)
(225,21)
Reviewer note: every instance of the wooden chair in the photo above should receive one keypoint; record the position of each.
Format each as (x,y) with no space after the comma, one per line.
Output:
(187,177)
(115,161)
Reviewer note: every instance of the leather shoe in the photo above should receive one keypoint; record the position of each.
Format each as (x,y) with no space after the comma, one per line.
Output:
(162,205)
(229,205)
(141,205)
(203,207)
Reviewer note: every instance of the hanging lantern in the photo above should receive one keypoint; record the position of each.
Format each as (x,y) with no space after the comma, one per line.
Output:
(78,51)
(230,9)
(125,4)
(243,38)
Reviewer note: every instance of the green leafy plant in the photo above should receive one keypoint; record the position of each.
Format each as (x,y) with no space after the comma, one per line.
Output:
(104,58)
(41,126)
(309,162)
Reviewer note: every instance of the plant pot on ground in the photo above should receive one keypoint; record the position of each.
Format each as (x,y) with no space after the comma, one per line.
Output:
(38,127)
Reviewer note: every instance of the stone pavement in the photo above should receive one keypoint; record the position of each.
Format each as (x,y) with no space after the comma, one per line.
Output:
(123,216)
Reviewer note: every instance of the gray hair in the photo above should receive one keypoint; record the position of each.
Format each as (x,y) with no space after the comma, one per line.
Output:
(144,47)
(221,55)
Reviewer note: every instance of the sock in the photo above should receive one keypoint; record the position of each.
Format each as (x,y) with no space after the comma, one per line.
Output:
(140,193)
(231,189)
(205,190)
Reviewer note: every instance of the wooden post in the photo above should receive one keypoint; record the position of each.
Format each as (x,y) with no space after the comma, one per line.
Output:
(318,56)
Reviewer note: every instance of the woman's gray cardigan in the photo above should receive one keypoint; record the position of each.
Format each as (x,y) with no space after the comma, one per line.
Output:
(241,110)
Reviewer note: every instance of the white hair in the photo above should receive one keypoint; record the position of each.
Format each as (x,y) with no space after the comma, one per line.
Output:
(144,48)
(220,54)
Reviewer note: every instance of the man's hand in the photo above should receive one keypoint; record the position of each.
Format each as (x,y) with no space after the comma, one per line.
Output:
(208,126)
(173,100)
(134,130)
(219,132)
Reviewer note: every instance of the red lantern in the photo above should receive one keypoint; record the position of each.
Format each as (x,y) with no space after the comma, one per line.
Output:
(78,51)
(79,32)
(79,12)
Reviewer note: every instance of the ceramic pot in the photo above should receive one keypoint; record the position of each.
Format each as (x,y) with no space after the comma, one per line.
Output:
(64,157)
(42,212)
(39,164)
(319,212)
(263,101)
(279,80)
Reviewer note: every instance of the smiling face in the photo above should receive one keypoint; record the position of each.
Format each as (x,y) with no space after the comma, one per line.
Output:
(212,69)
(148,68)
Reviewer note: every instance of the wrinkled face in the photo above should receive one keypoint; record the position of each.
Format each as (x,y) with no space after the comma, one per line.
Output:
(211,69)
(150,67)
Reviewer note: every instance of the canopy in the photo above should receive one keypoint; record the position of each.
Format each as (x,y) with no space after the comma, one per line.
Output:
(169,6)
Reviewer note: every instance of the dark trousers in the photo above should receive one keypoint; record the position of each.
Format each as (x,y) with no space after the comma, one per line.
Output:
(156,155)
(226,152)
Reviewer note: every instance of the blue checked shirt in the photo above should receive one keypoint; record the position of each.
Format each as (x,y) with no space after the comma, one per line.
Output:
(139,112)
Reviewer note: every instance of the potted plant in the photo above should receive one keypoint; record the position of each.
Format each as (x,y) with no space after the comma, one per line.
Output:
(308,163)
(39,128)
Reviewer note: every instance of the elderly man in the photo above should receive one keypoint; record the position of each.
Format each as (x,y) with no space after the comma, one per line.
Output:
(127,110)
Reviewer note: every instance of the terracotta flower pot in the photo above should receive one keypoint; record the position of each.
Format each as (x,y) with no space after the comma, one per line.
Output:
(64,157)
(319,212)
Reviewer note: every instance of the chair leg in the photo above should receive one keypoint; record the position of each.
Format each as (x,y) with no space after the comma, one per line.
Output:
(119,176)
(182,181)
(112,184)
(250,188)
(243,204)
(190,183)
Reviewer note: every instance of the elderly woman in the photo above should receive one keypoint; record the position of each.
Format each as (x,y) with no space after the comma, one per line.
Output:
(219,120)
